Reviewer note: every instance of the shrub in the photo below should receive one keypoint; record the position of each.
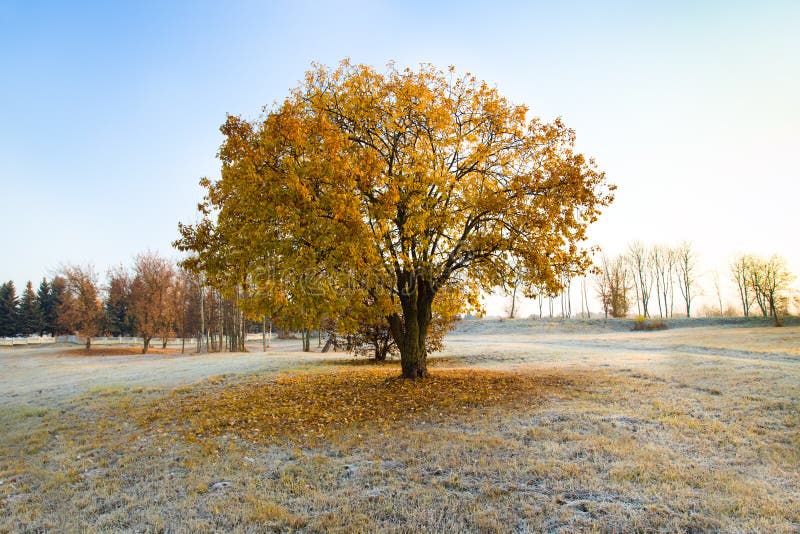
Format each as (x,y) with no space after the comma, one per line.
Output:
(644,324)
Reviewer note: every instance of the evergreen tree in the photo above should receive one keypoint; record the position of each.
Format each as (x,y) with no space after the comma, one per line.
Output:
(43,299)
(8,310)
(50,298)
(117,319)
(29,317)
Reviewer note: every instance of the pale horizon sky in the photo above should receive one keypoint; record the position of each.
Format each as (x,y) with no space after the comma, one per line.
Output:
(110,112)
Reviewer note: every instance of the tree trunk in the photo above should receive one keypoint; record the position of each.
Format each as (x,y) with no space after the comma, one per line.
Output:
(381,349)
(264,334)
(183,344)
(774,308)
(88,343)
(410,331)
(146,344)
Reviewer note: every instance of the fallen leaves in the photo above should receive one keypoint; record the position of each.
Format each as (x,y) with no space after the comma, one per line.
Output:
(305,408)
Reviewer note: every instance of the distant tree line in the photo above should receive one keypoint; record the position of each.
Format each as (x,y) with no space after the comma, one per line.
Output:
(151,299)
(670,273)
(155,298)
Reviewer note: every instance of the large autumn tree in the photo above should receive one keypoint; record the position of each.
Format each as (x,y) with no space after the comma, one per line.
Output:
(394,185)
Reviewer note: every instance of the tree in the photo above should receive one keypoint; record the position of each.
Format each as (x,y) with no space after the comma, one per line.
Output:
(613,284)
(30,315)
(770,279)
(51,305)
(188,306)
(396,185)
(662,263)
(639,259)
(43,298)
(718,291)
(117,303)
(152,304)
(685,267)
(740,272)
(8,309)
(80,310)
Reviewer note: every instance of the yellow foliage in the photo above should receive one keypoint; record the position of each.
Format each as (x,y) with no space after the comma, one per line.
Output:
(369,194)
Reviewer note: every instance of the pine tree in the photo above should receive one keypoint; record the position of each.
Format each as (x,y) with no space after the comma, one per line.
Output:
(8,310)
(50,297)
(116,306)
(43,299)
(29,317)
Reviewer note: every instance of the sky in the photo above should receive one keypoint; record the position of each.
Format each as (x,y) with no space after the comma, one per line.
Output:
(110,112)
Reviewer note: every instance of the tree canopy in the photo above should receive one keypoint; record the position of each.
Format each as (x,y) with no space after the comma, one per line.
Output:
(385,190)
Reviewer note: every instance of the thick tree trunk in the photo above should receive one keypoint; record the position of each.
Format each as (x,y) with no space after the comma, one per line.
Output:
(145,345)
(88,343)
(410,331)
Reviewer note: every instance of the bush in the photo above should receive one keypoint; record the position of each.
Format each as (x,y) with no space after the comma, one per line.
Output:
(643,324)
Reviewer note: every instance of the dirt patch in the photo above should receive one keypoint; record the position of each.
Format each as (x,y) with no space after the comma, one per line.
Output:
(115,351)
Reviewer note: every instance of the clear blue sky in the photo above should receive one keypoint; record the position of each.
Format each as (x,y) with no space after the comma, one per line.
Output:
(109,113)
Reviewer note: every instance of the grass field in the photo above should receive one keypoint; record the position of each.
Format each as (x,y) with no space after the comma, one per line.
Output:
(523,426)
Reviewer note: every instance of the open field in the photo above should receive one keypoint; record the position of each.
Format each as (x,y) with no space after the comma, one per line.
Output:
(524,426)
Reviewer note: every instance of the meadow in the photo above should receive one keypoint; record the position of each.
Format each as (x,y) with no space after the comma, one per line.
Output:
(523,426)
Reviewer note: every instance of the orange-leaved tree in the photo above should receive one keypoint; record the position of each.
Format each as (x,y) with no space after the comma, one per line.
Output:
(394,185)
(152,302)
(80,310)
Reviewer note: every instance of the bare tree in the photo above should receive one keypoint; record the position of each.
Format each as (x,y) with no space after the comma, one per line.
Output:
(718,290)
(662,264)
(639,260)
(152,299)
(81,311)
(771,282)
(685,263)
(740,272)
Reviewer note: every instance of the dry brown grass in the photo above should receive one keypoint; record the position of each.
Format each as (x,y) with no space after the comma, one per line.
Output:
(687,443)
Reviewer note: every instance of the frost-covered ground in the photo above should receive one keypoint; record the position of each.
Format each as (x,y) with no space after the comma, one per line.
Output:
(687,429)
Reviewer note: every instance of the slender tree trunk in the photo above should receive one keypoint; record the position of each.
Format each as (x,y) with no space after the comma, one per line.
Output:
(586,298)
(774,308)
(202,320)
(513,302)
(264,333)
(88,343)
